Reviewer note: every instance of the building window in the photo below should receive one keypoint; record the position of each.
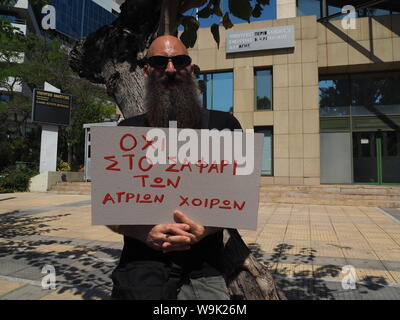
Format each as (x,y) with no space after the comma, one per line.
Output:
(266,165)
(216,91)
(263,93)
(365,93)
(334,96)
(309,8)
(375,93)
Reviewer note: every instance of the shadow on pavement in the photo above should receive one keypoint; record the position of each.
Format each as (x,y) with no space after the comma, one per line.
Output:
(307,284)
(81,266)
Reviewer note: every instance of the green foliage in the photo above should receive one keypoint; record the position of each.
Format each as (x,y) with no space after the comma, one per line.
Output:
(46,60)
(215,32)
(242,9)
(13,179)
(63,165)
(189,35)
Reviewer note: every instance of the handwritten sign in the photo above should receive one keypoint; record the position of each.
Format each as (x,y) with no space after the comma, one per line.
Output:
(133,188)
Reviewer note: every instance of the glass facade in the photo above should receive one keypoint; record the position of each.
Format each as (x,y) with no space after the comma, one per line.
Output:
(217,91)
(334,96)
(266,165)
(263,85)
(9,18)
(78,18)
(366,94)
(309,8)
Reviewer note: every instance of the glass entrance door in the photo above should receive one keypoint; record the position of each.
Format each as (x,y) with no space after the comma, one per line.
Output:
(390,142)
(376,157)
(364,157)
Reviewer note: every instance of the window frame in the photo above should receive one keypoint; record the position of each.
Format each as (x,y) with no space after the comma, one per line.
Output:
(204,99)
(271,128)
(270,68)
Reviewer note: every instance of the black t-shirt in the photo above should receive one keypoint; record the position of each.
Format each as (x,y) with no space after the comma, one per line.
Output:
(206,251)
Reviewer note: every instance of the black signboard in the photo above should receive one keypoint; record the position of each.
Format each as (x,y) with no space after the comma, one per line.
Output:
(51,107)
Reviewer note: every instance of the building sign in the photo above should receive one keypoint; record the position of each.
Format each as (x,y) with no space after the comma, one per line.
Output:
(260,39)
(130,186)
(50,107)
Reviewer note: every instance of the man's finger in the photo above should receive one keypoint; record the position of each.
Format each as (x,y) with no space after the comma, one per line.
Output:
(176,239)
(183,218)
(168,247)
(178,232)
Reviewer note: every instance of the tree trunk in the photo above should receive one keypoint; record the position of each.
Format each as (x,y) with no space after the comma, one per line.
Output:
(247,278)
(112,56)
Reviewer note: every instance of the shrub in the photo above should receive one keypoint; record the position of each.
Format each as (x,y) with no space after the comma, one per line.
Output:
(16,179)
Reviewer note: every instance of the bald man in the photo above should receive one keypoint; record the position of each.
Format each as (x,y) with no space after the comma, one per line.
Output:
(180,260)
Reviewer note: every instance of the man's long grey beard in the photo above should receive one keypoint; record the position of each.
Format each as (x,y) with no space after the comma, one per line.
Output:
(177,103)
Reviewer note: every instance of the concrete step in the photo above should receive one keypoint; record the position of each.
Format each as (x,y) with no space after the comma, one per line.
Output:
(358,195)
(72,188)
(353,195)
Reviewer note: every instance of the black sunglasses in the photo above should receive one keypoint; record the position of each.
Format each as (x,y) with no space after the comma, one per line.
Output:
(161,62)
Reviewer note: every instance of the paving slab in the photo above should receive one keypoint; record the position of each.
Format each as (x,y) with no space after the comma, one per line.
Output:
(311,242)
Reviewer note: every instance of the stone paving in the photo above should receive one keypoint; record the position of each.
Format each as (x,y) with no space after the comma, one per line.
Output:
(306,246)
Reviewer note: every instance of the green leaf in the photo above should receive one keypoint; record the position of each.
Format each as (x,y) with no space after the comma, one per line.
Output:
(215,33)
(257,11)
(241,9)
(217,8)
(189,35)
(196,69)
(204,13)
(226,21)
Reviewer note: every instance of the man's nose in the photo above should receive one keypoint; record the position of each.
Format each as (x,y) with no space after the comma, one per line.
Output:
(170,67)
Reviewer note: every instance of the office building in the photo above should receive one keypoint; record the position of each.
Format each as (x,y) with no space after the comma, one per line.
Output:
(327,103)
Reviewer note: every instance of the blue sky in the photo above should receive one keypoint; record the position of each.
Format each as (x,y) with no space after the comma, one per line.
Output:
(268,13)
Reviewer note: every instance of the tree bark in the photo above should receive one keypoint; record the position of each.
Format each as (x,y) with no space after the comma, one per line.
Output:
(113,56)
(247,278)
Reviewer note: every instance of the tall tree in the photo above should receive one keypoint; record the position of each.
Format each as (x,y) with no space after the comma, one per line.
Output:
(113,55)
(30,60)
(123,44)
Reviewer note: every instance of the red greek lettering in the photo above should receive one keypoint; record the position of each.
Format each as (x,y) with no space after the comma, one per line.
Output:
(130,156)
(214,166)
(143,177)
(120,194)
(108,198)
(141,167)
(184,201)
(171,183)
(133,142)
(129,196)
(236,205)
(148,143)
(158,198)
(214,202)
(114,163)
(171,168)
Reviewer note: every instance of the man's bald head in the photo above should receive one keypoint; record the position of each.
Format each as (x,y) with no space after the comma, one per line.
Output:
(171,90)
(166,46)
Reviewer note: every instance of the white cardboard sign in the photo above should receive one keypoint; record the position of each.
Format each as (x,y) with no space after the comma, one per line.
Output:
(130,189)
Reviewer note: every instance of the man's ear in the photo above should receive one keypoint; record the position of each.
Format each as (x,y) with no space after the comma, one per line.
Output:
(146,70)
